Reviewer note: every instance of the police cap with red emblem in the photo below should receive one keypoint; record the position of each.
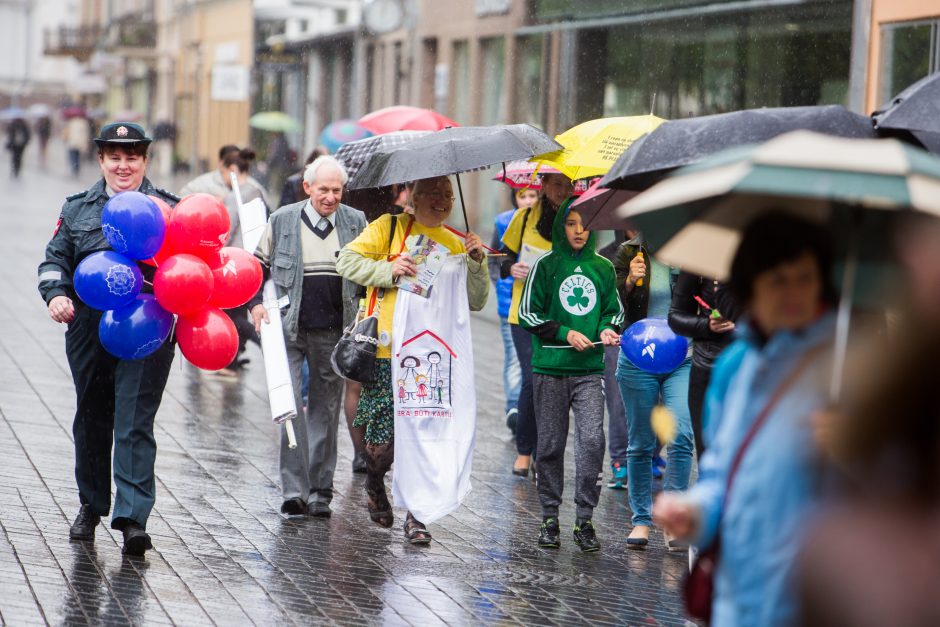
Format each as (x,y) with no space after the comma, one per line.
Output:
(122,133)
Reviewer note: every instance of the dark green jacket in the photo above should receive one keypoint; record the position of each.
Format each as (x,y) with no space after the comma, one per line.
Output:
(78,234)
(565,290)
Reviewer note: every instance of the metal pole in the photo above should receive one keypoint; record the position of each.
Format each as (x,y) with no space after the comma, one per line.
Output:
(463,206)
(844,316)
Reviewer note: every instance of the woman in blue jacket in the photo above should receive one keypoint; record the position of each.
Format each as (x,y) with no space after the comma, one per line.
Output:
(780,276)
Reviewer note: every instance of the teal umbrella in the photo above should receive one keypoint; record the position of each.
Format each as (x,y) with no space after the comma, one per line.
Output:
(274,121)
(857,187)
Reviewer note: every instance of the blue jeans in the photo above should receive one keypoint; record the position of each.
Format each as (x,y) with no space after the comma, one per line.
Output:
(641,392)
(512,375)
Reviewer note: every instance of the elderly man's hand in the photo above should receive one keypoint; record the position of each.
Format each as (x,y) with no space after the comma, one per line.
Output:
(259,313)
(475,247)
(61,309)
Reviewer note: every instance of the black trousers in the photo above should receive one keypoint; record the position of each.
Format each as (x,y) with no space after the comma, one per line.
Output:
(698,383)
(526,430)
(117,401)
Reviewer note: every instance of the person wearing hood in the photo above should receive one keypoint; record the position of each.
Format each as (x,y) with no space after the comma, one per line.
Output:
(529,235)
(571,307)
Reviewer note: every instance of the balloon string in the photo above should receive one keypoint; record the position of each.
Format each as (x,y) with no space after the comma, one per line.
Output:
(146,282)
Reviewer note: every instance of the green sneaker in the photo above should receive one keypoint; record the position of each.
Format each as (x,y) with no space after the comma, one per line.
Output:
(550,533)
(585,536)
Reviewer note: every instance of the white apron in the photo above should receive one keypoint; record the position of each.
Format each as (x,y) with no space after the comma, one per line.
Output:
(435,398)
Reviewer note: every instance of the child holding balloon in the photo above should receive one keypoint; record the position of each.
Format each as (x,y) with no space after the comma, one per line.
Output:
(646,287)
(571,307)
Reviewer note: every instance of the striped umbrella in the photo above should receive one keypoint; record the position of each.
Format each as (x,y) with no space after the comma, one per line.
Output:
(856,187)
(528,175)
(355,153)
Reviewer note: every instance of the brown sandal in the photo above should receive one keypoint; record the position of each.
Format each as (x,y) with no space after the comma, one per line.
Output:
(415,531)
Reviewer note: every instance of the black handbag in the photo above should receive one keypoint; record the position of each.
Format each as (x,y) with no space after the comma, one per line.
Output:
(353,356)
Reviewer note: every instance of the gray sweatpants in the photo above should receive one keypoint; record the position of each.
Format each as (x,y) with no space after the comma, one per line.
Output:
(555,397)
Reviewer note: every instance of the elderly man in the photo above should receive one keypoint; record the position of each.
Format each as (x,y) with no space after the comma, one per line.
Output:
(299,249)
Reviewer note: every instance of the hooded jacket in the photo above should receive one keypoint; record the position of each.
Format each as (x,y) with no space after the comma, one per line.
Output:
(565,290)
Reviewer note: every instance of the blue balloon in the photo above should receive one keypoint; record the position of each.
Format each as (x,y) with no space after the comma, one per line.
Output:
(650,345)
(135,330)
(133,225)
(107,280)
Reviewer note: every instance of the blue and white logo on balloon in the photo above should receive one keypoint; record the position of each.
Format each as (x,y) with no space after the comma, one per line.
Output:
(114,237)
(121,280)
(148,348)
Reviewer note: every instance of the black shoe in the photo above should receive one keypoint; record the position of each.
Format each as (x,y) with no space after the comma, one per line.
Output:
(136,540)
(512,418)
(584,535)
(84,526)
(550,534)
(293,507)
(318,509)
(359,465)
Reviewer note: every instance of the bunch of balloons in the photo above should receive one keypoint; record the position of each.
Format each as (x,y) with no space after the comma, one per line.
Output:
(196,277)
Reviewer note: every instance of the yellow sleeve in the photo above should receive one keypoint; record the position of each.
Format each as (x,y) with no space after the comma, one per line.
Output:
(373,241)
(513,234)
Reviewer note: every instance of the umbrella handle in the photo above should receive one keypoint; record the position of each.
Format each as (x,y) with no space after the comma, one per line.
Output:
(463,206)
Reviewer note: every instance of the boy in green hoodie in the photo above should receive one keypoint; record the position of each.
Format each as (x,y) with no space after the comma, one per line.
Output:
(570,305)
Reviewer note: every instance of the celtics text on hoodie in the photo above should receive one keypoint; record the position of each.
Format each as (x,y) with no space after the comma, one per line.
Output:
(568,289)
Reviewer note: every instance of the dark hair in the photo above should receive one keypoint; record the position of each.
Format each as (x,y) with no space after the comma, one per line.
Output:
(319,151)
(372,201)
(139,148)
(241,158)
(227,149)
(416,360)
(776,238)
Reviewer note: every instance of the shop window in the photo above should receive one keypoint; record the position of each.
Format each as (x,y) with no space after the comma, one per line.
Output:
(530,83)
(910,51)
(460,92)
(493,105)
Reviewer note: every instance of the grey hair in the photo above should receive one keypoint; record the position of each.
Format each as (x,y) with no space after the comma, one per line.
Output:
(310,172)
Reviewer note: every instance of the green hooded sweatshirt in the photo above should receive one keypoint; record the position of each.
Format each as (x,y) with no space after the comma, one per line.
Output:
(569,290)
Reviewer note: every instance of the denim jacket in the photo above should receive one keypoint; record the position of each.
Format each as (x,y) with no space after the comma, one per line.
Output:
(287,267)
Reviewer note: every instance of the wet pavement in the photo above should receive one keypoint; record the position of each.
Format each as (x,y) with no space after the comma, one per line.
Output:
(223,554)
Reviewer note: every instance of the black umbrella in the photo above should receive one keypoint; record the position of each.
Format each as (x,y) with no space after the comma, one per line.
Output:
(452,151)
(355,153)
(915,112)
(683,142)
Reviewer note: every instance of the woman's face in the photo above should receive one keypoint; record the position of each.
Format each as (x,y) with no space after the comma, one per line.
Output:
(433,200)
(788,296)
(122,169)
(557,188)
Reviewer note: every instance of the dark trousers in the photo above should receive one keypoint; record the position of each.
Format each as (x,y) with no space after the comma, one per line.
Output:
(526,430)
(75,161)
(617,437)
(117,401)
(245,328)
(17,155)
(698,384)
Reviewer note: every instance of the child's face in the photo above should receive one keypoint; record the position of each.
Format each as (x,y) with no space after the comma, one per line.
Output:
(526,198)
(574,231)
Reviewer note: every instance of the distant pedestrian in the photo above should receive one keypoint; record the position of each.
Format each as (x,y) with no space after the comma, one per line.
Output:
(216,182)
(18,136)
(77,138)
(280,161)
(117,399)
(43,133)
(571,306)
(293,189)
(164,143)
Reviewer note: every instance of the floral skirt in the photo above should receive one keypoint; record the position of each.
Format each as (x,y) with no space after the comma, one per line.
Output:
(376,411)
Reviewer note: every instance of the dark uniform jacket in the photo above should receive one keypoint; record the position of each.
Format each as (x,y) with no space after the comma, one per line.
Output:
(78,234)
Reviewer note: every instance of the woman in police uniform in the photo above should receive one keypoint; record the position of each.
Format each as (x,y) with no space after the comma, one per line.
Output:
(116,399)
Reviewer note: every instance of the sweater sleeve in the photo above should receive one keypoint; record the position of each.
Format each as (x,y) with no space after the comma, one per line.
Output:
(533,306)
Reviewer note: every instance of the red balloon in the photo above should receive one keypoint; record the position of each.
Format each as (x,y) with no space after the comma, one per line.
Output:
(165,250)
(236,275)
(199,225)
(208,338)
(183,284)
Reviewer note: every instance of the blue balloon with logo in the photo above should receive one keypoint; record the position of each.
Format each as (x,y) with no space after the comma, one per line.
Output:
(651,346)
(107,280)
(135,330)
(133,225)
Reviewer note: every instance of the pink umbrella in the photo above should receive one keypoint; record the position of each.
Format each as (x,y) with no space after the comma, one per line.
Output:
(528,175)
(404,118)
(597,206)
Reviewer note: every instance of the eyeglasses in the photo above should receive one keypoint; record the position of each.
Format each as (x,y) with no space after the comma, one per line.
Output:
(437,194)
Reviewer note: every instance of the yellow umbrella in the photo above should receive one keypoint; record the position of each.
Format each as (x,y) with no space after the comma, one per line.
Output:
(592,147)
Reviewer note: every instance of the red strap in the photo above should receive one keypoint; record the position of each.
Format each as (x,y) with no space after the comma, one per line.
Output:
(375,291)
